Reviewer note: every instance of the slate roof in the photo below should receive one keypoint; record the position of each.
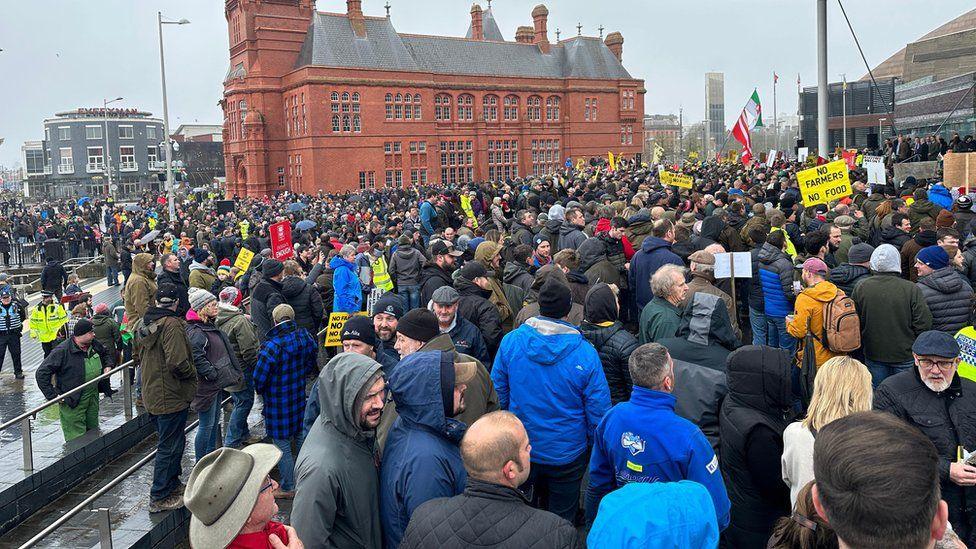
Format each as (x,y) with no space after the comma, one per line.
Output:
(331,42)
(489,27)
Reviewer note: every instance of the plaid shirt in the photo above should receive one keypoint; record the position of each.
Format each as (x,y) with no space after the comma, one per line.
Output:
(286,359)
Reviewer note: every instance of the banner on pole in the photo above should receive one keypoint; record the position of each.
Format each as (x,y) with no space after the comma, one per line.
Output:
(243,261)
(876,170)
(825,183)
(676,179)
(281,248)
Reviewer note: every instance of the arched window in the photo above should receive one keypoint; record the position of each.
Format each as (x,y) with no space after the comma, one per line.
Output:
(593,110)
(345,96)
(465,108)
(399,98)
(355,97)
(552,109)
(490,108)
(534,109)
(335,123)
(345,123)
(442,107)
(586,109)
(511,107)
(389,106)
(416,98)
(389,98)
(357,125)
(408,98)
(335,96)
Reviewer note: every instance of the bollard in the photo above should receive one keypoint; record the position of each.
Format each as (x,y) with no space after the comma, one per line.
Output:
(104,528)
(25,437)
(126,393)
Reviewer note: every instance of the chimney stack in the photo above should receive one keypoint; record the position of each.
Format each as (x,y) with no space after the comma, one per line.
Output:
(354,12)
(524,35)
(539,17)
(477,27)
(615,42)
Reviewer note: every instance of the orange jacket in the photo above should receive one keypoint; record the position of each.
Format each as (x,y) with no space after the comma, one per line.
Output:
(809,307)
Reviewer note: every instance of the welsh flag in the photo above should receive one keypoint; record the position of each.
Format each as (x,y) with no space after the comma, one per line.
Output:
(750,117)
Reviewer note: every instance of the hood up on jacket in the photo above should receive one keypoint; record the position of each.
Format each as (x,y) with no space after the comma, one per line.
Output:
(706,320)
(670,514)
(600,304)
(141,264)
(512,271)
(759,378)
(712,227)
(342,385)
(419,384)
(591,252)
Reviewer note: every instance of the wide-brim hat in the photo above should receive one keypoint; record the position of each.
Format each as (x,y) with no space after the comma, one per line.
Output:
(222,491)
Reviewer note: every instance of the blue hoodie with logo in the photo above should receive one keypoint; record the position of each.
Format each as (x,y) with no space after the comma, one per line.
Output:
(644,441)
(549,376)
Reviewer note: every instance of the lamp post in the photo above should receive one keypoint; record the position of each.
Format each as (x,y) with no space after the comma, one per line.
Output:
(823,112)
(844,107)
(108,157)
(880,120)
(169,146)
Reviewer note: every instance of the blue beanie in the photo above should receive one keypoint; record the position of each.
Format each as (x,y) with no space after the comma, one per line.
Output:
(934,257)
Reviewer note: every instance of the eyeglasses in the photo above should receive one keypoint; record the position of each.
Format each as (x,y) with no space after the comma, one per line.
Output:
(944,366)
(266,486)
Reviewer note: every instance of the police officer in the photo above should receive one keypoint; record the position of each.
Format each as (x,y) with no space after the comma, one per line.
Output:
(12,317)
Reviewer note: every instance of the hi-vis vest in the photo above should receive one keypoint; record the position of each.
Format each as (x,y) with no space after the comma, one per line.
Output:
(966,338)
(46,321)
(381,274)
(245,227)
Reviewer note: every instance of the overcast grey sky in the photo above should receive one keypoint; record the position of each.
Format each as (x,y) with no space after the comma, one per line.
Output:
(63,54)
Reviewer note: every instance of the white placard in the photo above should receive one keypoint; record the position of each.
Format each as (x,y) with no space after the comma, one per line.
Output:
(742,261)
(876,170)
(771,158)
(802,154)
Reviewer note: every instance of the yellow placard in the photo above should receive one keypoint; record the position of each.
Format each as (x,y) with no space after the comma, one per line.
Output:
(333,332)
(243,261)
(612,161)
(676,179)
(824,184)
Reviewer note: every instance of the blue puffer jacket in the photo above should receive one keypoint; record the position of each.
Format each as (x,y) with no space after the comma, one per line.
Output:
(662,514)
(940,196)
(644,440)
(776,281)
(348,289)
(654,253)
(428,217)
(421,459)
(549,376)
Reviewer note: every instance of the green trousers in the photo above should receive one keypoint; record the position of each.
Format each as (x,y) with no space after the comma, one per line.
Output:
(80,419)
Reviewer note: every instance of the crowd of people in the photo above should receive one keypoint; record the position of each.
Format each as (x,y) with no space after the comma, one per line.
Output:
(552,362)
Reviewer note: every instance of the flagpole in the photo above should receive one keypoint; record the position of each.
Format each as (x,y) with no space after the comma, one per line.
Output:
(775,124)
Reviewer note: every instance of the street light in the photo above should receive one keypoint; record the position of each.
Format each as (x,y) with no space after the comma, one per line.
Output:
(108,156)
(169,147)
(880,120)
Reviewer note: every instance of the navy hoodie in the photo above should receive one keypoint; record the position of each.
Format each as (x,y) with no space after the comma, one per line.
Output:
(654,253)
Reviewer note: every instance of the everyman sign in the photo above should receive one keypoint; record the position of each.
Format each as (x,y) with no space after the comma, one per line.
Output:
(825,183)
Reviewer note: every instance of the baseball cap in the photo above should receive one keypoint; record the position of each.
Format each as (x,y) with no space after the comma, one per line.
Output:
(444,248)
(815,265)
(167,294)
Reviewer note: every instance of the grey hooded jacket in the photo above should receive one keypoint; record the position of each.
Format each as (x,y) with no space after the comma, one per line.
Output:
(336,503)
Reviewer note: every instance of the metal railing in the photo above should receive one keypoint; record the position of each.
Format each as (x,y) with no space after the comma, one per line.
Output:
(157,165)
(25,418)
(129,166)
(104,516)
(66,168)
(95,167)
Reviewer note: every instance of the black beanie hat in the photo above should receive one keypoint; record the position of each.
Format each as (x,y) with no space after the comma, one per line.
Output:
(83,327)
(419,324)
(600,304)
(555,299)
(359,328)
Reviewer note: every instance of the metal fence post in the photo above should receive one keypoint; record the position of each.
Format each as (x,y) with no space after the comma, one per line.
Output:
(25,437)
(104,528)
(126,392)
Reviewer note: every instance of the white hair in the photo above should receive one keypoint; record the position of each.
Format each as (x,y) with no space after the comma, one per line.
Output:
(663,280)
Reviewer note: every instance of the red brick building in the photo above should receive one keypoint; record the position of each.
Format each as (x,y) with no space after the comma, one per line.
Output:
(323,101)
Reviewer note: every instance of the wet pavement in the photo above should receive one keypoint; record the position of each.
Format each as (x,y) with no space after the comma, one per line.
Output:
(19,395)
(128,501)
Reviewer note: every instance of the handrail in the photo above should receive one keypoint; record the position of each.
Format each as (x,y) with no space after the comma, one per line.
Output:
(103,490)
(34,411)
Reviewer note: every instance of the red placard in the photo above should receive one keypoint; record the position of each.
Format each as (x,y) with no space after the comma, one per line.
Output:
(281,241)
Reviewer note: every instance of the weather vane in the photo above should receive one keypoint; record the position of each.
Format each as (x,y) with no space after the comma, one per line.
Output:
(557,34)
(601,29)
(387,6)
(579,29)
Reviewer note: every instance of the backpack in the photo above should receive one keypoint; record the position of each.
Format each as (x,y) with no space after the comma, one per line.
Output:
(841,325)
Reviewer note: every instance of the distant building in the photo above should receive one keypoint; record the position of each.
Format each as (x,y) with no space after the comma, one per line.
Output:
(921,106)
(339,101)
(868,111)
(943,53)
(71,161)
(714,109)
(199,133)
(663,130)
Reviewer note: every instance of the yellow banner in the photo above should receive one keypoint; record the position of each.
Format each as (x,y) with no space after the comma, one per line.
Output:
(693,155)
(733,156)
(611,161)
(243,261)
(580,165)
(658,154)
(825,183)
(677,179)
(333,332)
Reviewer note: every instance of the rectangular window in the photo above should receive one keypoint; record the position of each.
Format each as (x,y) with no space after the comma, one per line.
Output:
(93,132)
(151,133)
(65,155)
(389,178)
(397,147)
(127,159)
(362,180)
(399,179)
(125,132)
(96,158)
(64,133)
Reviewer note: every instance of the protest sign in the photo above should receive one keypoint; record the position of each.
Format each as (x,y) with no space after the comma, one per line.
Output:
(738,264)
(918,170)
(281,241)
(822,184)
(677,179)
(802,153)
(876,170)
(771,158)
(243,261)
(333,332)
(960,169)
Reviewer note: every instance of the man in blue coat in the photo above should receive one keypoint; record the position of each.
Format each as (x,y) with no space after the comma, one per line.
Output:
(428,216)
(644,440)
(549,376)
(655,252)
(421,459)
